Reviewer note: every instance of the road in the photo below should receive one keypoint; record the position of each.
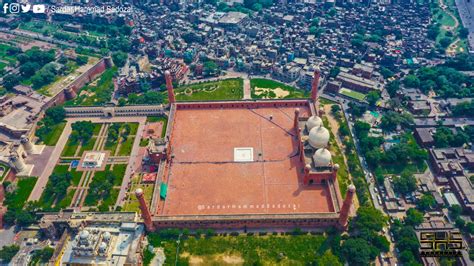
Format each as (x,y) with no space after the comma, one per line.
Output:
(363,162)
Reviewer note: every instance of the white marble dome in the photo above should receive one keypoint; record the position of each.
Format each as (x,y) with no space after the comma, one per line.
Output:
(84,234)
(318,137)
(313,121)
(322,157)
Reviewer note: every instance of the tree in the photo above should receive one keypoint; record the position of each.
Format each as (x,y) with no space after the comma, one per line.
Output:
(391,120)
(335,109)
(334,72)
(393,87)
(210,67)
(445,42)
(44,254)
(445,137)
(8,252)
(405,183)
(368,218)
(386,73)
(29,68)
(56,113)
(257,7)
(10,81)
(119,58)
(82,60)
(122,101)
(357,110)
(455,211)
(426,202)
(372,97)
(358,252)
(83,130)
(411,81)
(328,259)
(414,217)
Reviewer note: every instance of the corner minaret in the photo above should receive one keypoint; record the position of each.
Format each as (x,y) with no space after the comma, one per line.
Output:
(346,207)
(144,209)
(297,118)
(169,87)
(315,84)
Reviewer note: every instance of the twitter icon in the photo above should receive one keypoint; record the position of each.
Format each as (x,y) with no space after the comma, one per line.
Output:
(25,8)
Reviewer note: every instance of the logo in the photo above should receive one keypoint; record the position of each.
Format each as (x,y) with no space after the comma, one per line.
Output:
(39,9)
(25,8)
(14,8)
(5,8)
(440,244)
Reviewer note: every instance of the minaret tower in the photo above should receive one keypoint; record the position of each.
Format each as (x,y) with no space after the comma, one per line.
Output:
(315,84)
(169,87)
(144,209)
(297,117)
(346,207)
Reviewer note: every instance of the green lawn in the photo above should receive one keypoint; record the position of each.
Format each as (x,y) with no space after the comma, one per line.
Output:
(70,149)
(52,137)
(66,201)
(109,201)
(248,250)
(126,146)
(88,146)
(291,92)
(76,177)
(18,198)
(39,27)
(352,94)
(97,128)
(119,172)
(227,89)
(3,53)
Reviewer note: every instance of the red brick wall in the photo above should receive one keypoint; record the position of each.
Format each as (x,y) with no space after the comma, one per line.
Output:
(239,224)
(80,82)
(242,104)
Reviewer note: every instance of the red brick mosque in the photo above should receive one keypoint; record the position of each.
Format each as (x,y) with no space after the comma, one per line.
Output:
(251,164)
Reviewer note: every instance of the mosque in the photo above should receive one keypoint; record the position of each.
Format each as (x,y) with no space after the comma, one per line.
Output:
(251,164)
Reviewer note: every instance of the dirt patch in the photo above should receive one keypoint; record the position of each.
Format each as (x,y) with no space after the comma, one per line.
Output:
(218,259)
(279,93)
(233,259)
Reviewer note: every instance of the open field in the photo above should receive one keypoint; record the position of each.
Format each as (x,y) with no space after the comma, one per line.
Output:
(51,138)
(270,89)
(227,89)
(352,94)
(247,250)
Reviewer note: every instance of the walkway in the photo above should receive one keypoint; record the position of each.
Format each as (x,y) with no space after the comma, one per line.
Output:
(133,163)
(48,170)
(247,91)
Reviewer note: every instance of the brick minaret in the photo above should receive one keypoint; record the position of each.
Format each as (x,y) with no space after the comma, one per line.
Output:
(346,207)
(169,87)
(297,117)
(144,209)
(315,84)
